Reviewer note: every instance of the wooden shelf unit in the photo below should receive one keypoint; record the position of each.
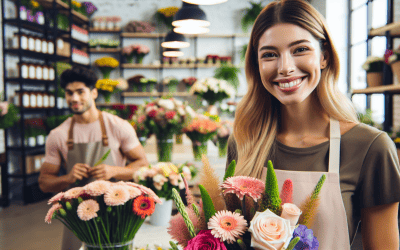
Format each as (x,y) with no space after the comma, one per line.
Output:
(394,89)
(78,17)
(105,50)
(393,28)
(153,94)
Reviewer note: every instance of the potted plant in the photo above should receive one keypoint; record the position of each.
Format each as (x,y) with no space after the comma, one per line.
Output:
(392,58)
(374,67)
(139,124)
(189,81)
(229,73)
(366,117)
(250,15)
(152,82)
(90,8)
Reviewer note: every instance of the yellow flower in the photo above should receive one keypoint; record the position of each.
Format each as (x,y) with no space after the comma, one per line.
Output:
(76,3)
(35,4)
(169,11)
(397,140)
(107,62)
(106,84)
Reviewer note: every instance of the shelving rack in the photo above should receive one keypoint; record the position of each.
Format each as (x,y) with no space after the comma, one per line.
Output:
(30,190)
(391,31)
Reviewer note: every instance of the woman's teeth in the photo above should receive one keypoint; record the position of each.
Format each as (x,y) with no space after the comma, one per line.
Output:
(290,84)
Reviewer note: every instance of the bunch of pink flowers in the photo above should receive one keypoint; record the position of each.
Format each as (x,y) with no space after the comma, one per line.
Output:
(135,50)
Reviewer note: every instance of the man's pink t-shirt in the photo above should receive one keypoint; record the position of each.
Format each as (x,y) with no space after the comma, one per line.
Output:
(121,135)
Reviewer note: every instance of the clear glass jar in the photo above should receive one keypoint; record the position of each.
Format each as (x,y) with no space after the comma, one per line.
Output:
(24,41)
(51,73)
(24,70)
(39,99)
(32,71)
(50,47)
(31,43)
(26,100)
(38,44)
(33,99)
(39,72)
(44,46)
(45,73)
(46,100)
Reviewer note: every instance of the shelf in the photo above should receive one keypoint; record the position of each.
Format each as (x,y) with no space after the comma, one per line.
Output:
(150,94)
(394,29)
(176,94)
(394,89)
(29,150)
(157,35)
(219,35)
(34,110)
(29,53)
(26,25)
(77,17)
(28,81)
(170,66)
(104,50)
(139,66)
(142,35)
(104,31)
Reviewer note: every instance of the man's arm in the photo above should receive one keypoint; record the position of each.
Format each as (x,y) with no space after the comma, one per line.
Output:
(379,227)
(49,181)
(138,159)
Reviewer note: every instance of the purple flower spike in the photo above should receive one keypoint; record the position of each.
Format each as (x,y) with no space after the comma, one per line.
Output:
(307,239)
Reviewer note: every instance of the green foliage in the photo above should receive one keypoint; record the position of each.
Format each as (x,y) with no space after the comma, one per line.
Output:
(196,136)
(8,120)
(243,52)
(318,187)
(173,245)
(293,243)
(250,15)
(52,122)
(271,199)
(208,206)
(229,73)
(366,117)
(231,170)
(182,210)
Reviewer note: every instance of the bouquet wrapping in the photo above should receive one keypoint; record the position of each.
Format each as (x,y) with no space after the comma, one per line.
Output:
(212,90)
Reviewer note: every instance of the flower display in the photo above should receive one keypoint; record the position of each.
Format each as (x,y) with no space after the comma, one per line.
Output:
(161,178)
(260,221)
(171,82)
(373,64)
(138,51)
(103,213)
(189,81)
(139,124)
(166,16)
(139,26)
(90,8)
(106,65)
(107,87)
(212,90)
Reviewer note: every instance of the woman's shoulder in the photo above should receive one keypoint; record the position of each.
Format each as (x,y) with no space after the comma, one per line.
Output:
(366,136)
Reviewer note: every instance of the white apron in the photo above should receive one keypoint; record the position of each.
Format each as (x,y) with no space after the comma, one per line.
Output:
(330,226)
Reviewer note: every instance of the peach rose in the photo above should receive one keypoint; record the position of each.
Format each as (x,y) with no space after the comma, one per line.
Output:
(269,231)
(291,212)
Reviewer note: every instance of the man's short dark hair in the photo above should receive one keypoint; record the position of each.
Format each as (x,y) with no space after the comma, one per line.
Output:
(79,74)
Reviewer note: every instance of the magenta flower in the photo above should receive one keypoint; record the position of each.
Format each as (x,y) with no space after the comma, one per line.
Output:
(206,241)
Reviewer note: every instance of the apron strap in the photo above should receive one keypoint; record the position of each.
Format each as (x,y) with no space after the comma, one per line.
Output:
(70,141)
(103,129)
(334,146)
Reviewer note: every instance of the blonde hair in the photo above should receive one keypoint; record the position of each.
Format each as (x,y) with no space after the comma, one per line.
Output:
(257,114)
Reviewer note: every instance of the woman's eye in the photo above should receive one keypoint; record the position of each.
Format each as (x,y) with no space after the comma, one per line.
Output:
(267,55)
(301,49)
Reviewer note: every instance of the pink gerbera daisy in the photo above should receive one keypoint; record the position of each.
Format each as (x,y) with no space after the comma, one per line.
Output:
(97,188)
(51,212)
(133,192)
(227,225)
(87,210)
(116,195)
(145,190)
(73,193)
(56,198)
(243,185)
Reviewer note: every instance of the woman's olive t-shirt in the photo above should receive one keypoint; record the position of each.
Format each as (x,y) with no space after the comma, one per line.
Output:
(369,168)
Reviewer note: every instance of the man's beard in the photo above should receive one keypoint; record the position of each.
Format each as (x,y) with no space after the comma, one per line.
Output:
(85,108)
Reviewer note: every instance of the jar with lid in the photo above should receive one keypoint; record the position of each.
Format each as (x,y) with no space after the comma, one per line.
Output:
(44,45)
(50,47)
(51,73)
(39,99)
(24,70)
(31,43)
(46,100)
(17,98)
(52,101)
(33,99)
(25,99)
(38,44)
(32,71)
(23,41)
(45,72)
(39,72)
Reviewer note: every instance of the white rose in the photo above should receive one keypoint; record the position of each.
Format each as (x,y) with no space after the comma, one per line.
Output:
(166,104)
(269,231)
(291,212)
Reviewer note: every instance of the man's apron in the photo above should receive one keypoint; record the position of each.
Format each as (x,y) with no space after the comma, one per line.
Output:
(88,153)
(330,226)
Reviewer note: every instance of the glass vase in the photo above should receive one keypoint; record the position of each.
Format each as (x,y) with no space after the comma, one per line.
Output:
(139,58)
(199,148)
(222,146)
(113,246)
(164,148)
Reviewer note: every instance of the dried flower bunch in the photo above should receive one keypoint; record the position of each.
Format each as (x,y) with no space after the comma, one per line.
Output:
(244,213)
(103,212)
(140,26)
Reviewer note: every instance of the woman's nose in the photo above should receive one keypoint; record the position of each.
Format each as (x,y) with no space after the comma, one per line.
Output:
(286,64)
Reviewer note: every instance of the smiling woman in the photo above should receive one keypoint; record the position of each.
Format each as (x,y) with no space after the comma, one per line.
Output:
(295,115)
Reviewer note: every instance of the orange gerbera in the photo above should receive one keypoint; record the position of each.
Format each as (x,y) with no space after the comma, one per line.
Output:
(143,206)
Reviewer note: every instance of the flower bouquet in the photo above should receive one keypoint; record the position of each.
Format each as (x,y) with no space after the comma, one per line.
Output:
(106,65)
(374,67)
(139,124)
(200,130)
(263,219)
(102,214)
(223,133)
(189,81)
(107,87)
(166,16)
(164,118)
(392,58)
(212,90)
(8,115)
(90,8)
(138,51)
(172,83)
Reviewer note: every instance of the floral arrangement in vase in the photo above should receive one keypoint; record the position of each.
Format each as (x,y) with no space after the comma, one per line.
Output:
(166,16)
(189,81)
(139,124)
(138,51)
(212,90)
(165,117)
(223,133)
(107,87)
(171,82)
(106,65)
(374,68)
(90,8)
(392,58)
(200,131)
(103,214)
(37,12)
(275,223)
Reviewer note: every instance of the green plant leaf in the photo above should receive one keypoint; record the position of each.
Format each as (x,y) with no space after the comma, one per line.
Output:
(229,73)
(208,206)
(231,170)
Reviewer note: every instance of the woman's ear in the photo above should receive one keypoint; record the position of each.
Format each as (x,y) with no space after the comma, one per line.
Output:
(324,57)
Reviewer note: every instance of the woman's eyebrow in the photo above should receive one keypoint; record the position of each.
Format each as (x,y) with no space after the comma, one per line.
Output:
(290,45)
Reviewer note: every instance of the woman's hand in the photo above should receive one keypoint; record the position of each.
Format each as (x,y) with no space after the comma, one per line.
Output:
(379,227)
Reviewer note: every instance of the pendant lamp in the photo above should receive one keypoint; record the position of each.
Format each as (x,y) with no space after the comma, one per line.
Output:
(169,52)
(175,40)
(190,15)
(205,2)
(191,30)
